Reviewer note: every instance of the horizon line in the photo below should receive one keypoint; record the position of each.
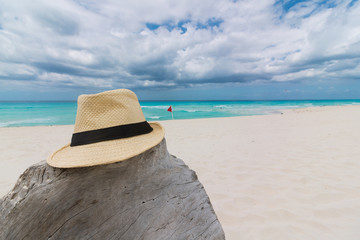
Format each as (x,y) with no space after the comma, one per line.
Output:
(192,100)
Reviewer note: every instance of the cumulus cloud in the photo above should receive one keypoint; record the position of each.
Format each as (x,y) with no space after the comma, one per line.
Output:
(166,44)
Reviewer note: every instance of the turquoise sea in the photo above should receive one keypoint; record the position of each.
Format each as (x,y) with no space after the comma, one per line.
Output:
(61,113)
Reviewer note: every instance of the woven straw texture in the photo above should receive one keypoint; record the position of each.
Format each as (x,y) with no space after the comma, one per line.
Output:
(107,109)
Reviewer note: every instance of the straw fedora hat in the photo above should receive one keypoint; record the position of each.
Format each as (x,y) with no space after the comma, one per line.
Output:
(109,127)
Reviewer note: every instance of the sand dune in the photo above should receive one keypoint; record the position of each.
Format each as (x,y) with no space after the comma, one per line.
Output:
(287,176)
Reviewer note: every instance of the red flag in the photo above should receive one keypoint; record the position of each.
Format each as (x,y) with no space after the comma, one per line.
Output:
(170,109)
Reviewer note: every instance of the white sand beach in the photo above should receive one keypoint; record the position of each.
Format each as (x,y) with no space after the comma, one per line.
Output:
(294,175)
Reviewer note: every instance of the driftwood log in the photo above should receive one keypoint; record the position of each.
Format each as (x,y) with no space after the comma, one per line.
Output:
(151,196)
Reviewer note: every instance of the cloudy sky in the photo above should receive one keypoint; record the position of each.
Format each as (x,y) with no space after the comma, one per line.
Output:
(189,49)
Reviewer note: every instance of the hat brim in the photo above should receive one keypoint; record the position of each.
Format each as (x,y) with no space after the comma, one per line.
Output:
(106,152)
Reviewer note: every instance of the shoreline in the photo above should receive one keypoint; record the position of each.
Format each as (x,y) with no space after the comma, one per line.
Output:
(275,112)
(60,113)
(279,176)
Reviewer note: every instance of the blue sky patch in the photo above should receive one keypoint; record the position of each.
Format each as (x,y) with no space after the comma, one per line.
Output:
(352,3)
(209,24)
(288,5)
(181,25)
(152,26)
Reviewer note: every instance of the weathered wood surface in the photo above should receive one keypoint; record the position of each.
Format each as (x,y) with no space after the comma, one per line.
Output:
(151,196)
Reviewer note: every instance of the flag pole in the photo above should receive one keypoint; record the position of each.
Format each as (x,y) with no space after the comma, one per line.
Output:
(171,110)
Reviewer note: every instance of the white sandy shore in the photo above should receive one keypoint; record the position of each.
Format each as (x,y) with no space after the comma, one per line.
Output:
(289,176)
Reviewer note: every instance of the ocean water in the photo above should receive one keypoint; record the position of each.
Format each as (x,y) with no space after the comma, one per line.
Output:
(14,114)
